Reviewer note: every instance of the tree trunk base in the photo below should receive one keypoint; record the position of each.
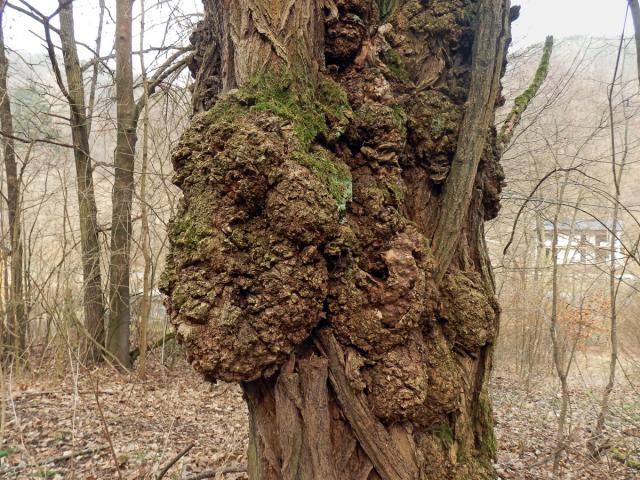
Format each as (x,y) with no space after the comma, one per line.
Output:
(297,429)
(308,422)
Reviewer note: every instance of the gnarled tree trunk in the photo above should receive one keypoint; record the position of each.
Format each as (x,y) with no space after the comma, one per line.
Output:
(329,254)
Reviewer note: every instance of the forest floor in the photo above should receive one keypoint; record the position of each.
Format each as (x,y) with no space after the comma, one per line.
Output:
(148,422)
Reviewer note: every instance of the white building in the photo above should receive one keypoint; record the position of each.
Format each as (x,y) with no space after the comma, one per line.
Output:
(585,241)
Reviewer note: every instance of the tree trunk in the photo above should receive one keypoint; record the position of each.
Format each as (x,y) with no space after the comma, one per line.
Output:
(119,295)
(92,295)
(634,5)
(331,144)
(145,240)
(558,343)
(618,163)
(17,324)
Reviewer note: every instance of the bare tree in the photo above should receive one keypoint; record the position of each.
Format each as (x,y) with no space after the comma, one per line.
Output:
(561,365)
(128,115)
(123,186)
(16,319)
(618,162)
(634,5)
(74,93)
(145,239)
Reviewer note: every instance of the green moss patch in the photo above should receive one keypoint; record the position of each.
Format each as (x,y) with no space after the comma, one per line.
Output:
(5,452)
(335,176)
(488,441)
(393,60)
(312,112)
(444,433)
(308,109)
(187,233)
(625,458)
(46,473)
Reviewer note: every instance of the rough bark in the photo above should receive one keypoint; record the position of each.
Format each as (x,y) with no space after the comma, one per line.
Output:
(301,264)
(486,71)
(122,197)
(240,39)
(16,318)
(74,92)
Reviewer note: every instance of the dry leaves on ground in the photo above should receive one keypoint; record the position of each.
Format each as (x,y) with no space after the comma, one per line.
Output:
(150,421)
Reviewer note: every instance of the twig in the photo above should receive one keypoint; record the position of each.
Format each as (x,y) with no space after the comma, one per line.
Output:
(45,393)
(61,458)
(522,102)
(172,462)
(535,189)
(50,141)
(218,471)
(135,353)
(106,431)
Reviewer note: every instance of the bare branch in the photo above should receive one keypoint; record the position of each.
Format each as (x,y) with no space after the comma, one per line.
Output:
(36,140)
(522,102)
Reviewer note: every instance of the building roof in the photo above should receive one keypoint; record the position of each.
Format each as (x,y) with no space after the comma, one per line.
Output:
(585,225)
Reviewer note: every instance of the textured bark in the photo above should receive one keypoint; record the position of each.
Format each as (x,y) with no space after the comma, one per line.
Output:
(122,197)
(92,294)
(301,264)
(487,67)
(16,318)
(240,39)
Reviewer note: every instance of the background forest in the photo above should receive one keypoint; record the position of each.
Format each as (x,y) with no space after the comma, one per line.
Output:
(83,229)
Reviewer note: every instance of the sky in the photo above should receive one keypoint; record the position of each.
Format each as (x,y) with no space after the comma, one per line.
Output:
(538,18)
(566,18)
(25,35)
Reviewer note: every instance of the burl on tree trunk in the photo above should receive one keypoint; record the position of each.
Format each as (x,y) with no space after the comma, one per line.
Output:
(329,253)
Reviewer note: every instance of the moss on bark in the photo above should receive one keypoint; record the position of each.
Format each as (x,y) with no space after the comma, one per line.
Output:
(310,202)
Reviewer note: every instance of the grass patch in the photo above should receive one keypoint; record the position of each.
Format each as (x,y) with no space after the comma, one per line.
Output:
(5,452)
(385,7)
(46,473)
